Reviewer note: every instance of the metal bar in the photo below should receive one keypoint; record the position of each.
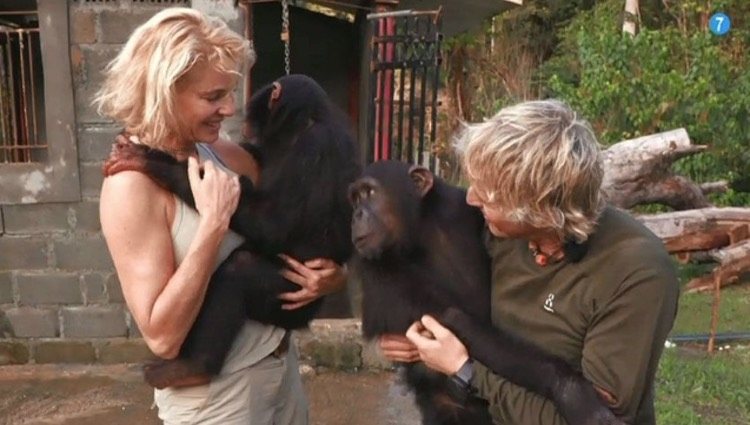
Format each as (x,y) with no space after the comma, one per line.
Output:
(23,99)
(422,109)
(412,89)
(20,119)
(401,13)
(379,99)
(18,12)
(381,95)
(34,122)
(12,85)
(435,87)
(27,147)
(400,138)
(388,100)
(4,110)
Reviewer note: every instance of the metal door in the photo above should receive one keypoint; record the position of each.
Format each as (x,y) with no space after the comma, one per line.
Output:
(404,81)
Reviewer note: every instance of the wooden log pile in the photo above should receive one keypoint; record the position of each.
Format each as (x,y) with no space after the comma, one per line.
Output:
(638,171)
(719,235)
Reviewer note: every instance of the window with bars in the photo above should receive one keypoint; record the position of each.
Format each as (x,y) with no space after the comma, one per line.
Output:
(38,154)
(22,135)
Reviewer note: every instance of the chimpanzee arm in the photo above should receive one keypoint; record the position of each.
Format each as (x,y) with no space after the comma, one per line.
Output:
(172,175)
(525,364)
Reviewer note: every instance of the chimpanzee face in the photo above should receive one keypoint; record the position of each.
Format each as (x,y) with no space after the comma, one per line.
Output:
(386,204)
(375,225)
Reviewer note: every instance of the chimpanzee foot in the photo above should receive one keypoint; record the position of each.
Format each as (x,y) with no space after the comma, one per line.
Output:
(125,156)
(174,373)
(578,402)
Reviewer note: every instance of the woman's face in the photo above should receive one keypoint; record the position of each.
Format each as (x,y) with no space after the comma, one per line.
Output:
(496,216)
(204,98)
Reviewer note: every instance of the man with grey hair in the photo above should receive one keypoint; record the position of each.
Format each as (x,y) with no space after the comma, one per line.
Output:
(583,281)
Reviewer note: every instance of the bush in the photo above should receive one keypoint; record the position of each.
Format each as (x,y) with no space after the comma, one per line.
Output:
(675,75)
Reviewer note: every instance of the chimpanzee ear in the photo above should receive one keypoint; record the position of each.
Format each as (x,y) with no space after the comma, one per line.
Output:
(422,178)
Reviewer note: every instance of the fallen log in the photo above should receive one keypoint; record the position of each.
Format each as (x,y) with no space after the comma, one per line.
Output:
(719,235)
(638,171)
(677,224)
(733,263)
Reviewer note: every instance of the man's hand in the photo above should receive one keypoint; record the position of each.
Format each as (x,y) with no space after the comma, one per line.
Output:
(316,277)
(398,348)
(438,348)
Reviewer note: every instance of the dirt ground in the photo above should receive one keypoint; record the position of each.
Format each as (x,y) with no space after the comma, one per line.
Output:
(116,395)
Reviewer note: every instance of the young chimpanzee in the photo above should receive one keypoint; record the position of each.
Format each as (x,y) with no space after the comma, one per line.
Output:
(299,208)
(420,251)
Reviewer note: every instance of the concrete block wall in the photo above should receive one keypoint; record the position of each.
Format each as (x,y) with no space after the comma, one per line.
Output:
(60,300)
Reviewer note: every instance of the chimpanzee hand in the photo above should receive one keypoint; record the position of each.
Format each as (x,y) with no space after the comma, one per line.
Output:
(164,169)
(316,278)
(397,348)
(125,156)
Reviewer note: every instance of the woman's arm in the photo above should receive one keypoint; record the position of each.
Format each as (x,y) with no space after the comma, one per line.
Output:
(164,300)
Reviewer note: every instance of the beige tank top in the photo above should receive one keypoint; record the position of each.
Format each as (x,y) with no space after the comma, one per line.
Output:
(255,340)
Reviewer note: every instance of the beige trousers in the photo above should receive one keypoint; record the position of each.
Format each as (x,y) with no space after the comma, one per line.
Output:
(269,392)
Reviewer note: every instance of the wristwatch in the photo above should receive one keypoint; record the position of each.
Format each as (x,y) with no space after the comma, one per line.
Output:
(463,377)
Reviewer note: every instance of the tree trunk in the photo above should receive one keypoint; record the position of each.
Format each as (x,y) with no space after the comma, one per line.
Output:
(637,171)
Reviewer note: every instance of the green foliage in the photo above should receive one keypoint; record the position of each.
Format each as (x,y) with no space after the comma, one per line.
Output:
(674,75)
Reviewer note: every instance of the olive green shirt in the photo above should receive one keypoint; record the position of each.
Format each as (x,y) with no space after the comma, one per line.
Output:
(607,315)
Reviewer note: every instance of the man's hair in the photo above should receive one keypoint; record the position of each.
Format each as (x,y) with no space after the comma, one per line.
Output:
(538,163)
(139,86)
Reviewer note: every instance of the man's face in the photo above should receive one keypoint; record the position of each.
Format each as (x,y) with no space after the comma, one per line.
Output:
(496,216)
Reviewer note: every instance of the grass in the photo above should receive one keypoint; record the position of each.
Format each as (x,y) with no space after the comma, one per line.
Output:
(694,388)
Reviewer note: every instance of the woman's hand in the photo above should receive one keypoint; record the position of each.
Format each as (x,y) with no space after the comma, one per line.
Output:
(438,348)
(316,277)
(398,348)
(216,193)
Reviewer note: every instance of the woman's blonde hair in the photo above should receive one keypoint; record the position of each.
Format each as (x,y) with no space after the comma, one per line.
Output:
(538,163)
(139,85)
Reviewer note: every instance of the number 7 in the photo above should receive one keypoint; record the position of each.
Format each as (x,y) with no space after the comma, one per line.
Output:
(720,19)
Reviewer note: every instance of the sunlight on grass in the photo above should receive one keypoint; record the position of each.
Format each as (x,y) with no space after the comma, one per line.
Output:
(693,388)
(694,315)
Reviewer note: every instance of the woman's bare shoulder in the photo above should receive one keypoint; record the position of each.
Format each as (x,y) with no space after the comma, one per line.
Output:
(131,192)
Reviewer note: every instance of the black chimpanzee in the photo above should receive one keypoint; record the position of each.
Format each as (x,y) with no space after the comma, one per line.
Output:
(420,251)
(299,208)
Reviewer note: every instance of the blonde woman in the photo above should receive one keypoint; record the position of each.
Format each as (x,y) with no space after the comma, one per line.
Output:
(583,281)
(171,87)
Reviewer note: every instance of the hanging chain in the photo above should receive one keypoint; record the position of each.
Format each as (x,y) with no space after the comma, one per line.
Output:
(285,32)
